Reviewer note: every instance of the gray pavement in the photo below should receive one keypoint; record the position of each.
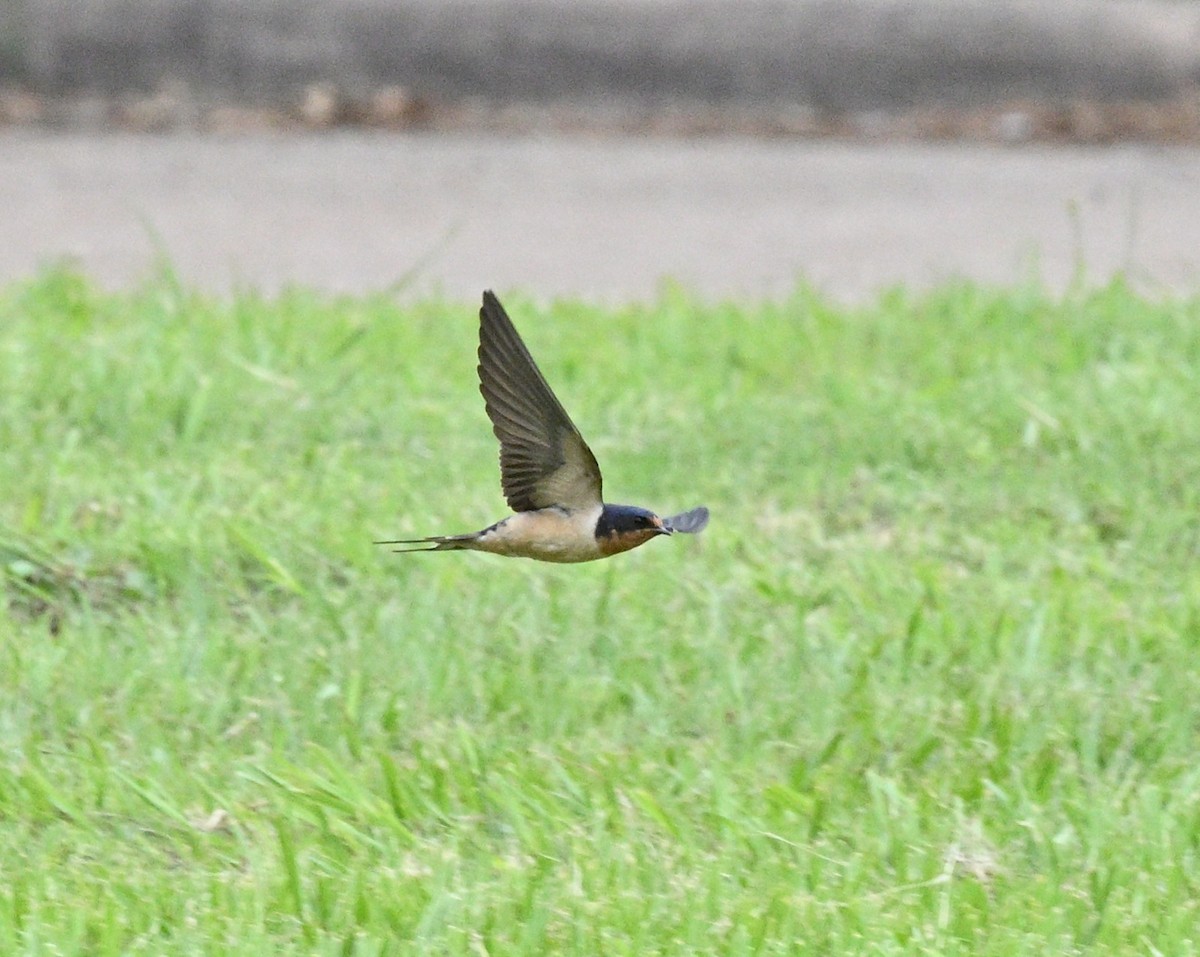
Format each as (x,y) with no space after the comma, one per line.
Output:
(602,218)
(822,54)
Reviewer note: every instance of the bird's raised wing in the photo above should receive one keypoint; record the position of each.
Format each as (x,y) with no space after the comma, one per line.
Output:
(688,522)
(543,458)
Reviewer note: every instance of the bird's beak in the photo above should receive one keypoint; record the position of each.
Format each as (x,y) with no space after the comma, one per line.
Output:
(662,528)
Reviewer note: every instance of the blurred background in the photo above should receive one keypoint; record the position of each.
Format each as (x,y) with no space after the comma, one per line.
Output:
(600,147)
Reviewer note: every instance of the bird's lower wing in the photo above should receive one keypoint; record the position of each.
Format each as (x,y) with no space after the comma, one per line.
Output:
(688,522)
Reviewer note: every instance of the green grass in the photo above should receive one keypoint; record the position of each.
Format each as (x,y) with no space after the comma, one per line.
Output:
(927,685)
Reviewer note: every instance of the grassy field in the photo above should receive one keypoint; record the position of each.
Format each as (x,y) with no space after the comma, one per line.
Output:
(929,684)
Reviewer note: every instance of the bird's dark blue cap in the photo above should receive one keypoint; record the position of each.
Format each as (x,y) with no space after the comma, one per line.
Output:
(617,519)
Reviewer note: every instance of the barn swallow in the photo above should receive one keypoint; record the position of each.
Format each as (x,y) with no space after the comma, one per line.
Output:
(549,475)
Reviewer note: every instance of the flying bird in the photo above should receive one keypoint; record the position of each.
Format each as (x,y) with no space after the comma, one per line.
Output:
(549,475)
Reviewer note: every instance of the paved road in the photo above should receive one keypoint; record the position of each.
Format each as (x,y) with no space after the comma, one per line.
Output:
(826,54)
(595,217)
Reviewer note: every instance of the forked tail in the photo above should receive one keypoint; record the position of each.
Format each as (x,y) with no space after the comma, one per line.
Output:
(434,543)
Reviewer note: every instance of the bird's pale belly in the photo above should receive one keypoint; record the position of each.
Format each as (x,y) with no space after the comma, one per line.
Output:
(548,535)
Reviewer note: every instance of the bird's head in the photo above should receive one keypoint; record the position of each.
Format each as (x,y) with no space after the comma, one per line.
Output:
(622,527)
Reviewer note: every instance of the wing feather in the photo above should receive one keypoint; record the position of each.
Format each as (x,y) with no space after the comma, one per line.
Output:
(544,461)
(689,522)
